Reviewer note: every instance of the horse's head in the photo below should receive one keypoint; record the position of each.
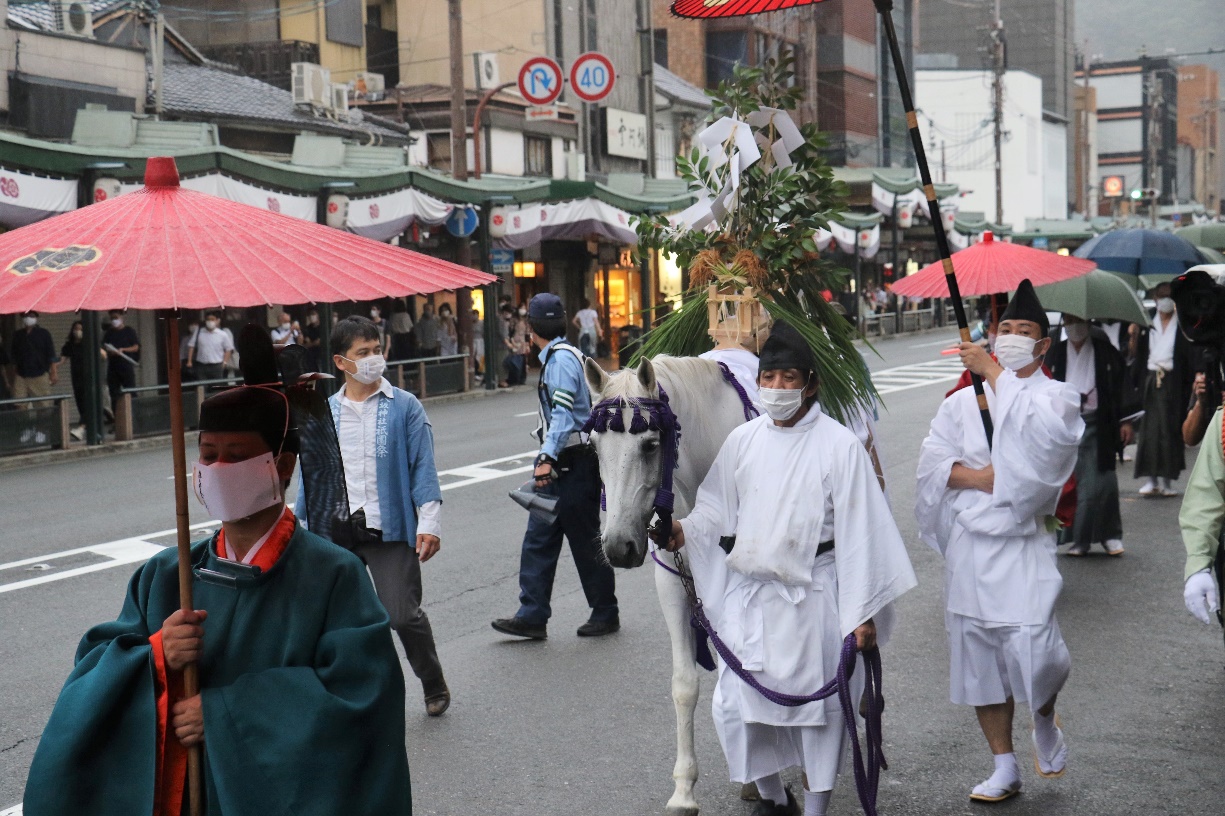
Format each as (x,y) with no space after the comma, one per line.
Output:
(630,463)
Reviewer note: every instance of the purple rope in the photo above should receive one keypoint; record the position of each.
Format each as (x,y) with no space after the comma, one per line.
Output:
(867,779)
(750,411)
(658,560)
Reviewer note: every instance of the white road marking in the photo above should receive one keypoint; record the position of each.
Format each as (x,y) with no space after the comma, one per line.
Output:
(917,375)
(524,414)
(139,549)
(13,811)
(951,341)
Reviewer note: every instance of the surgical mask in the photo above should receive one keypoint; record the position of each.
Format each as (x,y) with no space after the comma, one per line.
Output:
(1165,305)
(117,322)
(1077,332)
(237,490)
(1014,351)
(374,314)
(369,369)
(77,334)
(313,320)
(522,312)
(211,325)
(285,327)
(30,320)
(781,404)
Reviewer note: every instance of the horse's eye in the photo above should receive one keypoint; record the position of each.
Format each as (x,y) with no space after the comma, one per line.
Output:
(650,446)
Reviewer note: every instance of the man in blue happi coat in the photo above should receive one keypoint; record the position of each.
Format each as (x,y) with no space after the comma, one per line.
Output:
(569,468)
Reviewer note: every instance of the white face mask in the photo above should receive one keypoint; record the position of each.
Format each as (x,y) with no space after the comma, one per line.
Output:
(236,490)
(117,322)
(781,404)
(211,325)
(1165,305)
(369,369)
(522,312)
(30,320)
(77,334)
(1014,351)
(1077,332)
(285,326)
(374,314)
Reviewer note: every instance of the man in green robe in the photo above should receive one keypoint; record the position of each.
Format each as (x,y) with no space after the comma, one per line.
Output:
(301,709)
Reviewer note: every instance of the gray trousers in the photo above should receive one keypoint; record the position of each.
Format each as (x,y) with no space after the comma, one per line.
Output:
(397,581)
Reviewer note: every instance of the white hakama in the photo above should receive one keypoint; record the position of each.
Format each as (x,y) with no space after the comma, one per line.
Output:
(1001,577)
(782,609)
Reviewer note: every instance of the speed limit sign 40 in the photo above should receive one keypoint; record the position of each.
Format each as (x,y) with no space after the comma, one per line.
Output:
(592,76)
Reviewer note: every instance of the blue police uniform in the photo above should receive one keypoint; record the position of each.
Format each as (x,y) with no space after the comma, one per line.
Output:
(565,405)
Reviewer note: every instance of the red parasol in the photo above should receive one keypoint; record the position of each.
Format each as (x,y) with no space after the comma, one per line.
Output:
(169,248)
(165,247)
(707,9)
(992,267)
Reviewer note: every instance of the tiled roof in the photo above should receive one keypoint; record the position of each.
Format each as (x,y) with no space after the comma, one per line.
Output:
(196,92)
(675,88)
(44,16)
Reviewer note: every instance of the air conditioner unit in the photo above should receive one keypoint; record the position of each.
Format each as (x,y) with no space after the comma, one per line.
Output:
(76,19)
(374,84)
(339,101)
(487,76)
(311,84)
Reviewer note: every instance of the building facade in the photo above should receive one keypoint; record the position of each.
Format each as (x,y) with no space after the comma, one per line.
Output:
(1199,135)
(1137,124)
(956,115)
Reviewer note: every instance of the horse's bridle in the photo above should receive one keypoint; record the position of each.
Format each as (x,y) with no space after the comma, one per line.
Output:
(606,416)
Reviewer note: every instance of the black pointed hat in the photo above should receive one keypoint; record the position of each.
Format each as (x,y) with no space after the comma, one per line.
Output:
(785,348)
(1025,306)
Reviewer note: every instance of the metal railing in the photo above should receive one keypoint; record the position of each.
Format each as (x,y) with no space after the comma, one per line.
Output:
(31,423)
(145,410)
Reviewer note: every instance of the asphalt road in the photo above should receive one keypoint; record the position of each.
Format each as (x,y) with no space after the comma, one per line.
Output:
(577,727)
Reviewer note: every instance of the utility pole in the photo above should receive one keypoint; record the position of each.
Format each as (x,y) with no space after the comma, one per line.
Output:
(459,168)
(998,65)
(1088,185)
(459,114)
(646,79)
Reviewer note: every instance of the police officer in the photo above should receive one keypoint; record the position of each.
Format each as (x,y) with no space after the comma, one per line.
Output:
(569,469)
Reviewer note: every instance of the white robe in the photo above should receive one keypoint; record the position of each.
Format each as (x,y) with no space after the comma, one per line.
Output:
(1000,560)
(781,609)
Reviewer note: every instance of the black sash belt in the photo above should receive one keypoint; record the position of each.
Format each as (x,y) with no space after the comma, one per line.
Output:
(727,543)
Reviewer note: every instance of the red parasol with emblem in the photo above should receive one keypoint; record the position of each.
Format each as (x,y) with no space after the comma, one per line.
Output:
(714,9)
(991,267)
(168,248)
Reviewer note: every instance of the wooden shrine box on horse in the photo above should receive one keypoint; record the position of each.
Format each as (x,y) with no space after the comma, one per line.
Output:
(734,317)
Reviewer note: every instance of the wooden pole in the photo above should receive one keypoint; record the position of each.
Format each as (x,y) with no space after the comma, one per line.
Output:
(178,447)
(885,9)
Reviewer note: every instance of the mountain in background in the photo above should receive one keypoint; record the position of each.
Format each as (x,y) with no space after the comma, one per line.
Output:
(1117,29)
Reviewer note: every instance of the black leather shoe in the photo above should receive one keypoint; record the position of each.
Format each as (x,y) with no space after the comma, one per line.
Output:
(598,628)
(768,808)
(437,699)
(521,628)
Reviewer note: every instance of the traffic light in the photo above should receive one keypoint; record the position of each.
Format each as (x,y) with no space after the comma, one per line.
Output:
(1137,194)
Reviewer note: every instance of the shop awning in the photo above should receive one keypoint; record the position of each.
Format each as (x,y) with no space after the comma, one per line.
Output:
(521,227)
(26,198)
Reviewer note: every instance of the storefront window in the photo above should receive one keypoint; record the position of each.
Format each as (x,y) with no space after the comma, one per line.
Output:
(623,304)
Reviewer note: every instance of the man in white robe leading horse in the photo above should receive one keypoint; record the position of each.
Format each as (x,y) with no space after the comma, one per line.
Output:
(816,556)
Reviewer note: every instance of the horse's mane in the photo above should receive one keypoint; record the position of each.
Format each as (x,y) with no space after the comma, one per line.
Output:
(681,375)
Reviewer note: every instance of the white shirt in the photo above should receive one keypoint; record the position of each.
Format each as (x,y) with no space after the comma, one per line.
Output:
(1161,344)
(211,346)
(358,421)
(1082,374)
(587,318)
(251,553)
(283,336)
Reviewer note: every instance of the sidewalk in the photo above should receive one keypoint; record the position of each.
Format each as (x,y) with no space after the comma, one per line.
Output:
(79,450)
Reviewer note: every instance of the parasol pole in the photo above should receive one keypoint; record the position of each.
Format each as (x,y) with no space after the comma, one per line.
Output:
(885,9)
(178,447)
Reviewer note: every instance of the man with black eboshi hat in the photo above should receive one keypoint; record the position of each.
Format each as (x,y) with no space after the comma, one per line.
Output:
(988,508)
(301,708)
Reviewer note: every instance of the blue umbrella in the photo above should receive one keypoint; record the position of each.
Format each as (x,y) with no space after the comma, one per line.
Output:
(1150,256)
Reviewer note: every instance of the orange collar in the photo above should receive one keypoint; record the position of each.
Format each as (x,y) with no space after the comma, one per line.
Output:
(274,546)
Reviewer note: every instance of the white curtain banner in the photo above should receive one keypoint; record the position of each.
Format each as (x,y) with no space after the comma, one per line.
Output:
(26,198)
(385,216)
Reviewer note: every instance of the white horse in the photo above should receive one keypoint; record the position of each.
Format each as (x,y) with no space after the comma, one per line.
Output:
(708,409)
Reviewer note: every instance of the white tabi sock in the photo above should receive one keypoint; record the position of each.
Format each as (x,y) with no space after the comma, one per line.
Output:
(815,804)
(1046,733)
(771,789)
(1006,771)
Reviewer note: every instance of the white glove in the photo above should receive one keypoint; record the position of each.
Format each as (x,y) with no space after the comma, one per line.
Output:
(1200,596)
